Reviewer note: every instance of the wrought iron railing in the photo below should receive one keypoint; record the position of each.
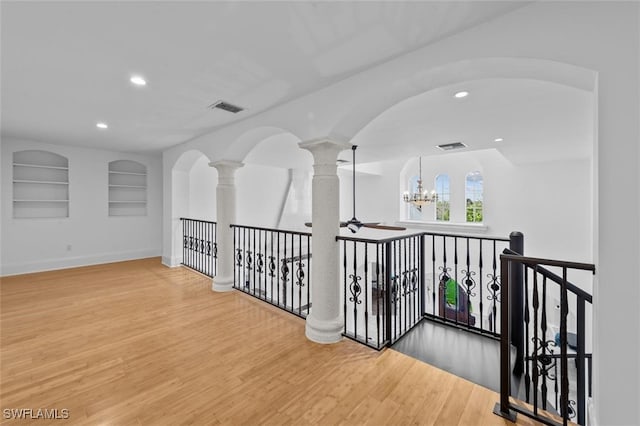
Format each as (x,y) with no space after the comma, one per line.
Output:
(391,284)
(274,265)
(463,280)
(383,287)
(199,248)
(553,386)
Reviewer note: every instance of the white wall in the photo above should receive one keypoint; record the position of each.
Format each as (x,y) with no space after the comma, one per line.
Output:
(203,180)
(376,192)
(260,192)
(550,202)
(88,235)
(297,208)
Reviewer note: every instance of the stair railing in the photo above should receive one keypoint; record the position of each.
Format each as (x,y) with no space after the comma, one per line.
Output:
(541,363)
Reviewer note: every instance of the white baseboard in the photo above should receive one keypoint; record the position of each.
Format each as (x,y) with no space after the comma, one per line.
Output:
(76,261)
(171,262)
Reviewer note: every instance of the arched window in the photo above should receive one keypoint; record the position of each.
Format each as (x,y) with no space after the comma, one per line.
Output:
(473,194)
(443,207)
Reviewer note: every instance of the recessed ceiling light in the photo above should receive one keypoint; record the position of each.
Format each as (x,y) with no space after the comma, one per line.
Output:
(461,94)
(138,81)
(101,125)
(498,140)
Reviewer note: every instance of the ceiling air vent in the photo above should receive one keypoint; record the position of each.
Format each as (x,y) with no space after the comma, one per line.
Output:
(452,146)
(226,106)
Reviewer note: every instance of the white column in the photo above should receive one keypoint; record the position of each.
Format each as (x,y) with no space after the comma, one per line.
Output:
(226,215)
(324,323)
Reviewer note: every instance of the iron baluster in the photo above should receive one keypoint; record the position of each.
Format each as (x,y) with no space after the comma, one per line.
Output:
(564,367)
(366,295)
(455,274)
(527,376)
(480,287)
(433,275)
(344,269)
(534,363)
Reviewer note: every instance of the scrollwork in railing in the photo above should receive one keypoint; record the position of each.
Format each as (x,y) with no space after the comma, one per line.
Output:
(238,257)
(215,250)
(300,274)
(190,243)
(185,242)
(571,409)
(284,270)
(414,280)
(260,263)
(249,260)
(404,283)
(394,289)
(272,267)
(444,275)
(494,287)
(547,368)
(469,282)
(202,246)
(355,289)
(409,281)
(208,248)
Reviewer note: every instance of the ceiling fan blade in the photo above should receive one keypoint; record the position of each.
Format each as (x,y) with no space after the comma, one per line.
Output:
(385,227)
(370,223)
(309,224)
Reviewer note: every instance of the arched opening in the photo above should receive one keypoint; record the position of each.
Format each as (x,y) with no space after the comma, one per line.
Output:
(274,185)
(193,195)
(532,142)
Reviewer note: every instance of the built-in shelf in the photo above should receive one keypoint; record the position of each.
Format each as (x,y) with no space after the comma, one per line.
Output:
(40,185)
(39,166)
(112,172)
(127,188)
(37,182)
(40,201)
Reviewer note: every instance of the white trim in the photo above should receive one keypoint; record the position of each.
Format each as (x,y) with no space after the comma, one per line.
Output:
(77,261)
(171,261)
(473,228)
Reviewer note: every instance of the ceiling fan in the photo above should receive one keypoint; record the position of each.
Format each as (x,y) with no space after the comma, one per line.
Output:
(354,224)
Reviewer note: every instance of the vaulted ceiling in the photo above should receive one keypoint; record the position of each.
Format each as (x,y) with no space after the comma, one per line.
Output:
(66,65)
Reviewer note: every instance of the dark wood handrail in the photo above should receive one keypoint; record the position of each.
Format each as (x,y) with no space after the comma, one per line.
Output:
(530,262)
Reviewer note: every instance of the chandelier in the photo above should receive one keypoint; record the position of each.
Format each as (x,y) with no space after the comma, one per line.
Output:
(420,197)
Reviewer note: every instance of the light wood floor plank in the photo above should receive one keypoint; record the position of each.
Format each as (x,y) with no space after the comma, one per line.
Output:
(138,343)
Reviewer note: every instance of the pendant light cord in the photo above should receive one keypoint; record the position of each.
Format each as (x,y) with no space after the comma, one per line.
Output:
(353,149)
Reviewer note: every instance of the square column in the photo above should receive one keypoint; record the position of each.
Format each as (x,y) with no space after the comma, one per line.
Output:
(226,215)
(324,323)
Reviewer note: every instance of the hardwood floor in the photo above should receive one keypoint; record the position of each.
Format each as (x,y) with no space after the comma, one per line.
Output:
(138,343)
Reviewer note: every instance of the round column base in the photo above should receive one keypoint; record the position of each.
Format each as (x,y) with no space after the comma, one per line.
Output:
(323,331)
(222,284)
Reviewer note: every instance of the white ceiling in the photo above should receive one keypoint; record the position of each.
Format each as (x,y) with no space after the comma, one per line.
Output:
(66,65)
(537,120)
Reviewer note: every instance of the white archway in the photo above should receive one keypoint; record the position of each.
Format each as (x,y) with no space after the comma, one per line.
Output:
(192,195)
(379,99)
